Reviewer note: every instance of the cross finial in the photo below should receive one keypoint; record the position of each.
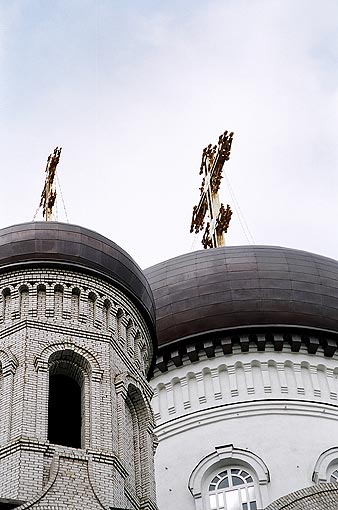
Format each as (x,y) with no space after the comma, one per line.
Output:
(48,195)
(213,158)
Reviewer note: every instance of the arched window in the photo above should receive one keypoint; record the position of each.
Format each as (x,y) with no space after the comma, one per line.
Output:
(41,297)
(136,437)
(91,308)
(107,314)
(326,468)
(68,379)
(119,326)
(58,301)
(64,411)
(24,301)
(232,489)
(230,479)
(6,309)
(129,337)
(75,304)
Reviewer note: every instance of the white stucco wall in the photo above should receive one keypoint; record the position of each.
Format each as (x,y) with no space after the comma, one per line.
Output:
(281,406)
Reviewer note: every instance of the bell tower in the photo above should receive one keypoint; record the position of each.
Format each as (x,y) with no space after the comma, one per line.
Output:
(76,348)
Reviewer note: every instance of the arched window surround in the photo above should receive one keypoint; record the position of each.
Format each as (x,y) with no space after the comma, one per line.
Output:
(326,463)
(132,393)
(92,376)
(225,457)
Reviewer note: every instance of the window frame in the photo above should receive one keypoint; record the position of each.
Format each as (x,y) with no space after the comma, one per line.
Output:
(326,464)
(219,494)
(225,457)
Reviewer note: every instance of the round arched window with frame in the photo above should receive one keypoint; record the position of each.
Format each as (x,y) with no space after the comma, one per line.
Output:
(232,489)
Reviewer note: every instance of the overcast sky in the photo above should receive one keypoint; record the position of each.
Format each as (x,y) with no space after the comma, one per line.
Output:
(133,91)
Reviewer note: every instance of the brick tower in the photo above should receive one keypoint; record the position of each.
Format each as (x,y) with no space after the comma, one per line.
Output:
(76,347)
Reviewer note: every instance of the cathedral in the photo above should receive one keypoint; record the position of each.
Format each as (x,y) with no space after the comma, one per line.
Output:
(206,382)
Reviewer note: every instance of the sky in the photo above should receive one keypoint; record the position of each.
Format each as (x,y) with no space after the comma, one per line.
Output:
(134,90)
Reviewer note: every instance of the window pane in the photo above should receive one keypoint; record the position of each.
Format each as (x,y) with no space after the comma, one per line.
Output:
(253,505)
(251,491)
(334,476)
(223,484)
(212,500)
(235,471)
(232,500)
(244,473)
(237,481)
(244,496)
(248,479)
(245,506)
(215,480)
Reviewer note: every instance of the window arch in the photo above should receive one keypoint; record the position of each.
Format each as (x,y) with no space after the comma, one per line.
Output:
(119,326)
(230,479)
(137,430)
(41,300)
(75,303)
(232,489)
(107,307)
(58,301)
(6,309)
(326,468)
(91,308)
(24,301)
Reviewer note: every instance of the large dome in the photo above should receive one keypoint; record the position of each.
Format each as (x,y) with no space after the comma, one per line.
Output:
(53,244)
(223,289)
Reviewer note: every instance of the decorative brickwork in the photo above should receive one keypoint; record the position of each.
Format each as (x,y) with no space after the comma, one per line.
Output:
(59,322)
(319,497)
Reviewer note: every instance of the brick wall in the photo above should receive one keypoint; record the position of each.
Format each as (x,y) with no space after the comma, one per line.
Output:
(60,321)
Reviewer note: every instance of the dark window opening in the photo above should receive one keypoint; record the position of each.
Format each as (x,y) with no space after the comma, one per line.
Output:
(8,504)
(64,411)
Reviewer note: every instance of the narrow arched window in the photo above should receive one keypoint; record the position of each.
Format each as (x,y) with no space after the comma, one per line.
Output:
(91,308)
(119,325)
(232,489)
(75,303)
(106,314)
(41,300)
(64,410)
(58,301)
(69,399)
(24,301)
(129,337)
(6,298)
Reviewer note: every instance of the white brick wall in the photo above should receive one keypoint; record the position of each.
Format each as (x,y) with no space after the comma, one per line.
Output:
(52,315)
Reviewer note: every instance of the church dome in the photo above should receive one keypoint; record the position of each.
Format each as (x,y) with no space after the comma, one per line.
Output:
(53,244)
(220,290)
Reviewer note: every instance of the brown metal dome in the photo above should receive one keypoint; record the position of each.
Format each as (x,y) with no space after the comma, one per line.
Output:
(222,289)
(53,244)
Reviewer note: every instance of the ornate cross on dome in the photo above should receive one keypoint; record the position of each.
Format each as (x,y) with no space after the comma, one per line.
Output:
(48,195)
(218,216)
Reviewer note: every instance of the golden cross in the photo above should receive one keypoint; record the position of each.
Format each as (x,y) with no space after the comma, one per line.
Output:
(213,159)
(48,194)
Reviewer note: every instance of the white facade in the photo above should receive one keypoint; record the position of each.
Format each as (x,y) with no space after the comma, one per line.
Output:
(272,414)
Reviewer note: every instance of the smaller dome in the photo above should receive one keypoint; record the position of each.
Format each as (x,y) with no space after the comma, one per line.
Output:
(222,289)
(53,244)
